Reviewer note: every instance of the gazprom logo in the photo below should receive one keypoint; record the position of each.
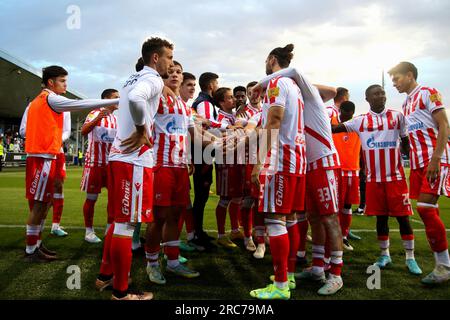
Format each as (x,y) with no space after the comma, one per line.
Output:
(373,144)
(173,128)
(416,126)
(106,138)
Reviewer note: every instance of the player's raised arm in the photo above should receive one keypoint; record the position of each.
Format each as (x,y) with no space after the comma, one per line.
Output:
(63,104)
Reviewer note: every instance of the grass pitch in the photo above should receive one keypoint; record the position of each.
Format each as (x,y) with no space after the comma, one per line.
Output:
(225,274)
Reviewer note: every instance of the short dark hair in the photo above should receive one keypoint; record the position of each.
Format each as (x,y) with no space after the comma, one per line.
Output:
(239,88)
(188,76)
(403,68)
(219,95)
(154,45)
(252,84)
(283,55)
(205,79)
(340,93)
(139,64)
(107,93)
(372,87)
(348,106)
(176,63)
(52,72)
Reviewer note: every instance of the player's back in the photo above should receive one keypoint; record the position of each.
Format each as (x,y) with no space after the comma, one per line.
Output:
(291,147)
(146,85)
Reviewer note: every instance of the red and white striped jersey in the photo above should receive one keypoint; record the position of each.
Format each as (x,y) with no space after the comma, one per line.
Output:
(380,135)
(249,111)
(288,154)
(256,119)
(172,122)
(206,110)
(226,119)
(332,111)
(100,139)
(423,132)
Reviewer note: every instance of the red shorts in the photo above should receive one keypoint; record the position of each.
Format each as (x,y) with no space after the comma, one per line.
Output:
(250,189)
(230,181)
(39,179)
(349,190)
(130,194)
(282,194)
(60,173)
(94,179)
(387,198)
(418,183)
(322,191)
(171,187)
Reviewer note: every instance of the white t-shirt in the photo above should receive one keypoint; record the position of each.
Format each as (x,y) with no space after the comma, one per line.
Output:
(139,100)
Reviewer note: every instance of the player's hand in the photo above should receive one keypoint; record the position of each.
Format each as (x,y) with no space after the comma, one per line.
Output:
(167,92)
(191,169)
(433,170)
(136,140)
(256,91)
(255,175)
(103,113)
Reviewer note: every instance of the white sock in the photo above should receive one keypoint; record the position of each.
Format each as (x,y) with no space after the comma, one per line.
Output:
(55,226)
(222,236)
(190,236)
(152,258)
(409,248)
(89,230)
(173,263)
(281,285)
(235,230)
(301,254)
(135,245)
(442,258)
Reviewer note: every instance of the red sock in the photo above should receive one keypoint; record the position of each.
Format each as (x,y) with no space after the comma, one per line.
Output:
(279,247)
(336,263)
(58,205)
(106,268)
(434,228)
(172,252)
(345,221)
(260,228)
(221,216)
(121,261)
(235,209)
(88,212)
(303,232)
(246,215)
(294,239)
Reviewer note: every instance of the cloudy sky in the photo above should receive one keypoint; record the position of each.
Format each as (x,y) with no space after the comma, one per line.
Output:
(341,43)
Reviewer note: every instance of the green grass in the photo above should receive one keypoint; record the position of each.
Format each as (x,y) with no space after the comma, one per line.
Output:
(224,274)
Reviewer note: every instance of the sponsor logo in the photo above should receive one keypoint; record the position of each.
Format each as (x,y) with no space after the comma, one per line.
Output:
(416,126)
(447,184)
(126,186)
(35,182)
(436,98)
(106,138)
(373,144)
(280,191)
(172,127)
(345,138)
(392,122)
(138,186)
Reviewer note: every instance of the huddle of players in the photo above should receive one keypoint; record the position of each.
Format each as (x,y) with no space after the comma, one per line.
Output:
(304,164)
